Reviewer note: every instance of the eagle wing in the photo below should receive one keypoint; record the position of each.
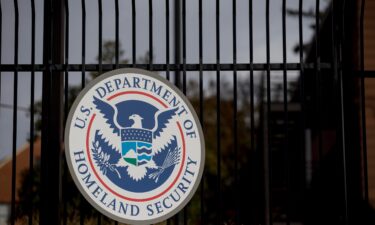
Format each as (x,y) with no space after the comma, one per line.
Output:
(163,132)
(109,113)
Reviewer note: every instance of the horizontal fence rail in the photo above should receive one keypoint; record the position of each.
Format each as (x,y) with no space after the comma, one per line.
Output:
(164,67)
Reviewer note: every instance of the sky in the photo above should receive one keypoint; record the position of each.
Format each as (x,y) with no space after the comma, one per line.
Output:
(142,33)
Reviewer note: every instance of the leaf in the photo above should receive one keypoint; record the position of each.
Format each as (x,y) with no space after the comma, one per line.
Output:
(102,157)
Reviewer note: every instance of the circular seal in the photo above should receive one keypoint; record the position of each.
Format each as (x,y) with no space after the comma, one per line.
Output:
(134,146)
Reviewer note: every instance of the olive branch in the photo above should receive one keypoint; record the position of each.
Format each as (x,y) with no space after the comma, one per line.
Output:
(102,159)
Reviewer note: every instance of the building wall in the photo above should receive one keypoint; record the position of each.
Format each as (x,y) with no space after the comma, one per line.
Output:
(369,53)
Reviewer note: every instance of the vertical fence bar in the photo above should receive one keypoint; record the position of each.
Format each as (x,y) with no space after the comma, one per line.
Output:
(252,119)
(117,34)
(334,41)
(167,56)
(32,98)
(117,41)
(218,109)
(186,208)
(15,102)
(251,58)
(83,42)
(337,76)
(268,157)
(100,35)
(83,83)
(184,46)
(235,135)
(286,119)
(201,100)
(363,100)
(177,41)
(53,45)
(167,52)
(317,75)
(340,41)
(150,33)
(66,108)
(100,43)
(177,57)
(302,75)
(66,70)
(134,35)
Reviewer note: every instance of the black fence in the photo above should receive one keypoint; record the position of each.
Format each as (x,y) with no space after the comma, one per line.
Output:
(285,139)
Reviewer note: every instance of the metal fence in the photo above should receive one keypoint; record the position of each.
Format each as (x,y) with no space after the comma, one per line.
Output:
(299,158)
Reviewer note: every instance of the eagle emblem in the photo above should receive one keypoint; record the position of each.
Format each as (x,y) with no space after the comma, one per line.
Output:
(133,150)
(134,146)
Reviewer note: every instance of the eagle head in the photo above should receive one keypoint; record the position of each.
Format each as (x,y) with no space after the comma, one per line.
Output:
(137,121)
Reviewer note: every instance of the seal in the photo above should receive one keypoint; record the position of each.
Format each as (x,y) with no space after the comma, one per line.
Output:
(134,146)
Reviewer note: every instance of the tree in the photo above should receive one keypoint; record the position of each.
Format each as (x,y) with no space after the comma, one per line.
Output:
(309,14)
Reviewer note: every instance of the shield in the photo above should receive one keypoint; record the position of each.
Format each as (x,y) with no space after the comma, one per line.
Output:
(136,145)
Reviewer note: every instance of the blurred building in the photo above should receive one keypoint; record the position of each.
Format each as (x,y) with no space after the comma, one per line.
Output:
(369,56)
(22,166)
(313,178)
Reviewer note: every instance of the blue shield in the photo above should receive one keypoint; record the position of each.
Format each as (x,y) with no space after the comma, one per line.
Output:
(136,145)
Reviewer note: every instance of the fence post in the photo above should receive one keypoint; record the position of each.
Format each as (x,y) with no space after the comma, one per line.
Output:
(53,50)
(177,41)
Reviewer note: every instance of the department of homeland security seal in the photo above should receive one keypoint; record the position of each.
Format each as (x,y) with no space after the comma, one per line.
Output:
(134,146)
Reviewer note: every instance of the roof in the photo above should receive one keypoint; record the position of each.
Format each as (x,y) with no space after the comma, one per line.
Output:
(22,164)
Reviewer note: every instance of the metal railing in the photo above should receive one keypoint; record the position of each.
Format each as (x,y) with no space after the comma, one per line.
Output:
(260,207)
